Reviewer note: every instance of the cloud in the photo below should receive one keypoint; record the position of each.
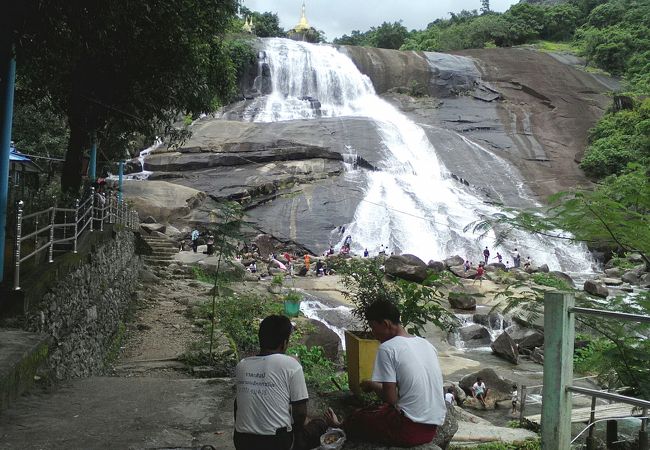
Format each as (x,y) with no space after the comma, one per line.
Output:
(338,17)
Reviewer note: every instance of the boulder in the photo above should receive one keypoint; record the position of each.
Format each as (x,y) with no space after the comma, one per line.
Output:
(543,268)
(475,334)
(436,266)
(493,321)
(505,347)
(499,387)
(165,202)
(149,219)
(614,272)
(151,227)
(563,276)
(645,280)
(521,275)
(324,337)
(593,287)
(525,338)
(635,258)
(495,267)
(265,245)
(447,431)
(537,355)
(461,300)
(454,261)
(460,272)
(172,231)
(630,277)
(612,281)
(408,267)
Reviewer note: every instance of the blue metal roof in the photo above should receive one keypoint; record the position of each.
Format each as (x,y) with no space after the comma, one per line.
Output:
(15,155)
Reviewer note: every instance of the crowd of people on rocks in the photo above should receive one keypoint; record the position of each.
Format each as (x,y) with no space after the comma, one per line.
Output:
(480,268)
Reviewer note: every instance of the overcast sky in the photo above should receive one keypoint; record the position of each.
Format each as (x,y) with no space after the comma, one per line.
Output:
(338,17)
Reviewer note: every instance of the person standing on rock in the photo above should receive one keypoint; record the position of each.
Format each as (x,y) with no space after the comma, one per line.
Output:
(516,259)
(499,258)
(480,271)
(366,253)
(195,239)
(411,415)
(307,261)
(486,254)
(271,403)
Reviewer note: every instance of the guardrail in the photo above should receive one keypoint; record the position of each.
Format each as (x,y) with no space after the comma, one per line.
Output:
(559,335)
(52,228)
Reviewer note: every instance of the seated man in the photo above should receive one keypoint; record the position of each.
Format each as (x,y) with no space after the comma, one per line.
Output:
(479,391)
(409,416)
(271,404)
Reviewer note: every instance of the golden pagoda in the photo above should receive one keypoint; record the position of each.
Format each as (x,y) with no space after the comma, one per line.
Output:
(303,25)
(248,26)
(303,31)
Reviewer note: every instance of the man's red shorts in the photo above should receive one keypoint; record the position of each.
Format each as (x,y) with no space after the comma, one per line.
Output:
(387,426)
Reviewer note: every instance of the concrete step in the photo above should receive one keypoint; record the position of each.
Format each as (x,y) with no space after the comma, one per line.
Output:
(21,355)
(157,262)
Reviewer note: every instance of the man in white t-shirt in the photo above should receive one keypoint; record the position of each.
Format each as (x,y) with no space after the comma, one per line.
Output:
(410,416)
(271,404)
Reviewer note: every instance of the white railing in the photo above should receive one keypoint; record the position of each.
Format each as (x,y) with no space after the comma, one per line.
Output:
(66,225)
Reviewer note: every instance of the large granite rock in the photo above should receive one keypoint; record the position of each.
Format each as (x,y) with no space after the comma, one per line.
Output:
(593,287)
(501,388)
(454,261)
(461,300)
(563,276)
(505,347)
(164,201)
(476,334)
(324,337)
(436,266)
(408,267)
(525,338)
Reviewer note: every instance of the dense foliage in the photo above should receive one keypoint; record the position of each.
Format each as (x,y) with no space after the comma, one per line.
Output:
(419,304)
(117,70)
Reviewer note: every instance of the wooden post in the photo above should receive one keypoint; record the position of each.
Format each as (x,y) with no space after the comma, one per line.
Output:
(522,405)
(591,442)
(643,432)
(559,335)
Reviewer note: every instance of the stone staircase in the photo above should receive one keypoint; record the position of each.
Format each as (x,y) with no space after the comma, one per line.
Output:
(162,251)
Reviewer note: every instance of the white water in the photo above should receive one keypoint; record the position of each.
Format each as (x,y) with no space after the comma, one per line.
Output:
(411,205)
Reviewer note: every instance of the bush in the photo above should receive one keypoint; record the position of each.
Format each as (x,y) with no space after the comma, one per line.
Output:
(320,372)
(529,444)
(545,279)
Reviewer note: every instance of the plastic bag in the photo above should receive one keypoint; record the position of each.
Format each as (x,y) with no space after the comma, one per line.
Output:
(332,439)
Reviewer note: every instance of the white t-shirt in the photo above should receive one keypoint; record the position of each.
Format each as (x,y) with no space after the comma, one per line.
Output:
(478,388)
(266,385)
(449,398)
(412,363)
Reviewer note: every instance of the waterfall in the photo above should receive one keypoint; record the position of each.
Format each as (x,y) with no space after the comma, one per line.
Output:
(411,204)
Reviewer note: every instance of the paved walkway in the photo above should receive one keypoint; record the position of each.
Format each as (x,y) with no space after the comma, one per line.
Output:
(123,413)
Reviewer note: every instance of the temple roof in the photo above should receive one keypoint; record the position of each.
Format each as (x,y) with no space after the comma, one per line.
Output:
(303,24)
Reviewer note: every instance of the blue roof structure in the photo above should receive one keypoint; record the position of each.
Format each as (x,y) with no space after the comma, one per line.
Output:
(15,155)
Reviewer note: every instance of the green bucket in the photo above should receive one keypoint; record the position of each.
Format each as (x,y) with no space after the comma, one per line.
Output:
(291,308)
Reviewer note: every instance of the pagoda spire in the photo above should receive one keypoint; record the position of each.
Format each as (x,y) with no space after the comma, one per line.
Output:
(303,24)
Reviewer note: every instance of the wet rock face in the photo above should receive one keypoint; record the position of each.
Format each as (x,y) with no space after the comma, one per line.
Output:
(505,347)
(461,300)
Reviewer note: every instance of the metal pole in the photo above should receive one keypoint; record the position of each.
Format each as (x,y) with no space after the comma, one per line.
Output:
(611,433)
(92,164)
(643,432)
(102,213)
(92,209)
(559,334)
(19,227)
(7,83)
(121,180)
(76,224)
(53,218)
(591,442)
(523,405)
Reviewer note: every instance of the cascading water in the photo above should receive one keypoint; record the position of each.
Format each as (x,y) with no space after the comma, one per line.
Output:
(411,204)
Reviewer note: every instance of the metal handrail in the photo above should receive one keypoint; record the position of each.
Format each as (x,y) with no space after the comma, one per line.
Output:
(85,215)
(611,396)
(610,314)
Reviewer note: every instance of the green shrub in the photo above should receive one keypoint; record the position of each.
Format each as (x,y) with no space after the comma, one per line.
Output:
(529,444)
(546,279)
(320,373)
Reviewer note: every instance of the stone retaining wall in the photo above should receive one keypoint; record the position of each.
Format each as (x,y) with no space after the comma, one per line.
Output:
(83,311)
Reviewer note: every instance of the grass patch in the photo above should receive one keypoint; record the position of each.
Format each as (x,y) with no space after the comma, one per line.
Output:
(529,444)
(557,47)
(546,279)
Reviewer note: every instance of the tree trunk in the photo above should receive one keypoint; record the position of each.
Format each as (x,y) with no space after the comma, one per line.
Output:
(71,174)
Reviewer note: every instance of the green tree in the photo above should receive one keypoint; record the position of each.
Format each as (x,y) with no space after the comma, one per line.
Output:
(388,35)
(485,6)
(267,24)
(526,22)
(120,68)
(560,21)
